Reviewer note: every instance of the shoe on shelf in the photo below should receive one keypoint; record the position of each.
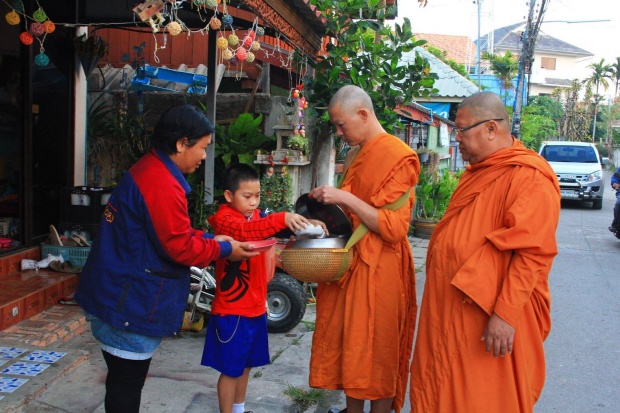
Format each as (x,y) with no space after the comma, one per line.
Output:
(29,265)
(44,263)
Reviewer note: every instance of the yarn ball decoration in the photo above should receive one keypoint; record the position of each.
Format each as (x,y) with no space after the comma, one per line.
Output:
(251,34)
(227,54)
(255,46)
(249,57)
(215,23)
(241,54)
(222,43)
(211,3)
(49,26)
(174,28)
(198,3)
(17,5)
(39,16)
(227,20)
(36,29)
(247,42)
(234,60)
(260,31)
(26,38)
(233,40)
(41,59)
(12,18)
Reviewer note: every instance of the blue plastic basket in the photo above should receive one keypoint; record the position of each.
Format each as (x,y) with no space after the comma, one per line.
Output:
(76,255)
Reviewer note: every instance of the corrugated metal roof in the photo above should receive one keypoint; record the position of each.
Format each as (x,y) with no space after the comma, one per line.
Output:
(450,83)
(509,38)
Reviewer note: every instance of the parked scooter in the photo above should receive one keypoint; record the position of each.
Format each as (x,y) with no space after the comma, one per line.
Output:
(286,298)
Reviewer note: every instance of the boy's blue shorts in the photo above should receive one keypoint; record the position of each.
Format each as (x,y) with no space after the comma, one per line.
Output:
(234,343)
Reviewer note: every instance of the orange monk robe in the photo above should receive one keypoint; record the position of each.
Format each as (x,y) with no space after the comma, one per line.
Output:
(492,252)
(365,322)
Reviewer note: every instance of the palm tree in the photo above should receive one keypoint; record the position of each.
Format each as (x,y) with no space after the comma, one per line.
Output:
(600,73)
(505,68)
(615,74)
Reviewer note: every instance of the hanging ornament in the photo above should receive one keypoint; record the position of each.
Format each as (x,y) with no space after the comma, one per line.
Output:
(41,59)
(251,34)
(250,57)
(260,31)
(255,46)
(36,29)
(198,3)
(211,4)
(222,43)
(233,40)
(215,23)
(49,26)
(241,54)
(227,20)
(39,16)
(247,42)
(12,18)
(174,28)
(26,38)
(227,54)
(234,60)
(18,6)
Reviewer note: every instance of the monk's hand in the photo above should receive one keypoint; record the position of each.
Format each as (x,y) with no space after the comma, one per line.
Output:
(499,336)
(327,194)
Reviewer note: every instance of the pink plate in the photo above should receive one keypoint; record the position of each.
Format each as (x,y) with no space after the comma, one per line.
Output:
(260,246)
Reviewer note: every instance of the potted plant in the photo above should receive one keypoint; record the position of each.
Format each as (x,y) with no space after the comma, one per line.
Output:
(433,193)
(297,142)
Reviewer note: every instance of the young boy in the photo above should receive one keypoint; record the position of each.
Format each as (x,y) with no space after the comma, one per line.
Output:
(237,332)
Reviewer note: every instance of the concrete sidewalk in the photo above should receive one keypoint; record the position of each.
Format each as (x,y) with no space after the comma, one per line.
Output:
(177,382)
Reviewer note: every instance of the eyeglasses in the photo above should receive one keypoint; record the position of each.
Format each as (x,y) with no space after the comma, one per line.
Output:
(461,131)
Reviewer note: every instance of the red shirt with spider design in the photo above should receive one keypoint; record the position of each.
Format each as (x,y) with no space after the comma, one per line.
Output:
(242,285)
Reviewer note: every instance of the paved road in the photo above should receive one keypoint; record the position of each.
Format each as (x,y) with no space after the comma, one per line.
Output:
(583,354)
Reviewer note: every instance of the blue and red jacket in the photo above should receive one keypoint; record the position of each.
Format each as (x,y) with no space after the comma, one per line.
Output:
(137,277)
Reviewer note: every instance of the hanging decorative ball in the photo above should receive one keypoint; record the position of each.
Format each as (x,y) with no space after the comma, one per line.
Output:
(174,28)
(260,31)
(295,94)
(255,46)
(234,60)
(247,42)
(26,38)
(49,26)
(17,5)
(241,54)
(41,59)
(222,43)
(233,40)
(227,54)
(211,3)
(36,29)
(12,18)
(39,16)
(215,23)
(198,3)
(251,34)
(250,57)
(227,20)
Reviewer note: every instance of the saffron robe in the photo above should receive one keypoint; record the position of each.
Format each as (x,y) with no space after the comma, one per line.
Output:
(492,252)
(365,321)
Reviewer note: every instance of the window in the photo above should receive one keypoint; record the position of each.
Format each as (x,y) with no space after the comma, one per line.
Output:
(547,63)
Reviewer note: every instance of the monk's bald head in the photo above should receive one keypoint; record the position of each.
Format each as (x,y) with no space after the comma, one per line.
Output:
(487,105)
(351,98)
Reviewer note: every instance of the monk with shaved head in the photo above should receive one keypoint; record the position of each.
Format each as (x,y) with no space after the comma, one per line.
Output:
(486,303)
(365,321)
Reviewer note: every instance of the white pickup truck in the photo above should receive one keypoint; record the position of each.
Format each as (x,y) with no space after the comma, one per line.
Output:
(578,168)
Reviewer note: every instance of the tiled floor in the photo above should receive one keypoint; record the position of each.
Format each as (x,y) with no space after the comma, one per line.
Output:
(24,294)
(16,364)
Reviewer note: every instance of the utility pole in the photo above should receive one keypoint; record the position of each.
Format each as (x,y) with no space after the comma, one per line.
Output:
(532,27)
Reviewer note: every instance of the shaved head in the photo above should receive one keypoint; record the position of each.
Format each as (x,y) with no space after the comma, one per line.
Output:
(351,98)
(487,105)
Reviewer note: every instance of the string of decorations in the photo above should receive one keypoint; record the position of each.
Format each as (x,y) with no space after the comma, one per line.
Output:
(36,27)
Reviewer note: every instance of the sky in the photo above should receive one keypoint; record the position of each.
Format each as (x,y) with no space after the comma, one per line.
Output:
(460,17)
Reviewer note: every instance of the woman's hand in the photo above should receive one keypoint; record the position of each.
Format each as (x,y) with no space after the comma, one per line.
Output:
(241,251)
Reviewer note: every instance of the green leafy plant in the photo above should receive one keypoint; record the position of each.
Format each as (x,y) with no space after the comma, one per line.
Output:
(298,142)
(276,192)
(433,193)
(305,398)
(241,139)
